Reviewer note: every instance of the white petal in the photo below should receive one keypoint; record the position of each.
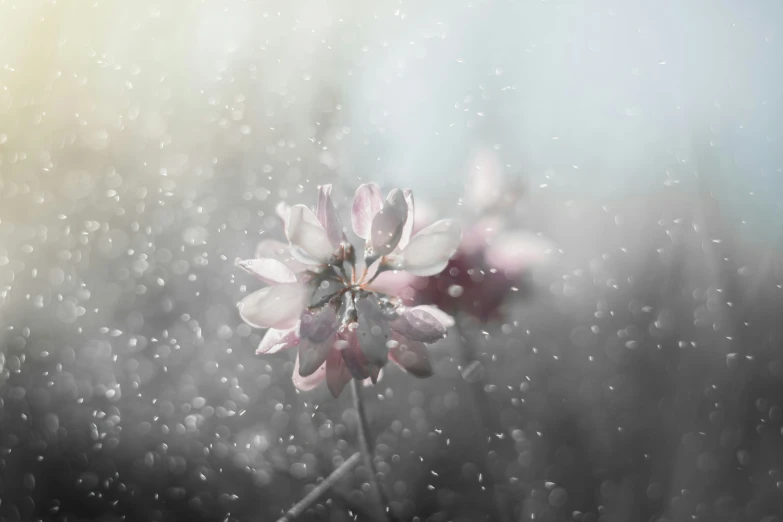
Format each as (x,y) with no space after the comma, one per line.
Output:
(283,211)
(302,257)
(418,324)
(387,224)
(366,203)
(276,340)
(276,306)
(281,251)
(445,319)
(268,270)
(430,250)
(407,228)
(311,381)
(328,217)
(306,232)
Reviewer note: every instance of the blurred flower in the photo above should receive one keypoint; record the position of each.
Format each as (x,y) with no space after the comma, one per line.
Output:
(492,259)
(322,300)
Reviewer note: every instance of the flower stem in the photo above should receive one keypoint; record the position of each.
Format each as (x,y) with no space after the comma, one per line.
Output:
(367,449)
(301,506)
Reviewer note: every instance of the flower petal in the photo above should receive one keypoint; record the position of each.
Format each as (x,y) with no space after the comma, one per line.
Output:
(275,249)
(387,224)
(418,324)
(367,201)
(376,374)
(268,270)
(348,345)
(283,211)
(276,306)
(337,374)
(411,355)
(373,331)
(306,233)
(407,228)
(276,340)
(477,236)
(318,332)
(300,256)
(313,354)
(308,382)
(513,252)
(429,251)
(328,217)
(397,283)
(318,326)
(445,319)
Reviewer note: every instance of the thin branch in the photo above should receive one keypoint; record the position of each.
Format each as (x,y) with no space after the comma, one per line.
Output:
(367,450)
(309,499)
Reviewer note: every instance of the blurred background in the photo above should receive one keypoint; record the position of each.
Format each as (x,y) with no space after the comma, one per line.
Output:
(636,373)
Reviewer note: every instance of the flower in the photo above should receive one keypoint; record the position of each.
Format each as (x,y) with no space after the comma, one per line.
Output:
(492,260)
(321,298)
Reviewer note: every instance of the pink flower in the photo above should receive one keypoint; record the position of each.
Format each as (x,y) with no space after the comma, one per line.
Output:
(322,300)
(492,258)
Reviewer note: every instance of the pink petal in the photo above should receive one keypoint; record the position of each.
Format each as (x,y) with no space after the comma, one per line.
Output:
(411,356)
(337,374)
(276,306)
(366,203)
(268,270)
(387,225)
(397,283)
(477,236)
(306,233)
(515,252)
(328,217)
(407,228)
(430,250)
(276,340)
(310,381)
(348,346)
(417,324)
